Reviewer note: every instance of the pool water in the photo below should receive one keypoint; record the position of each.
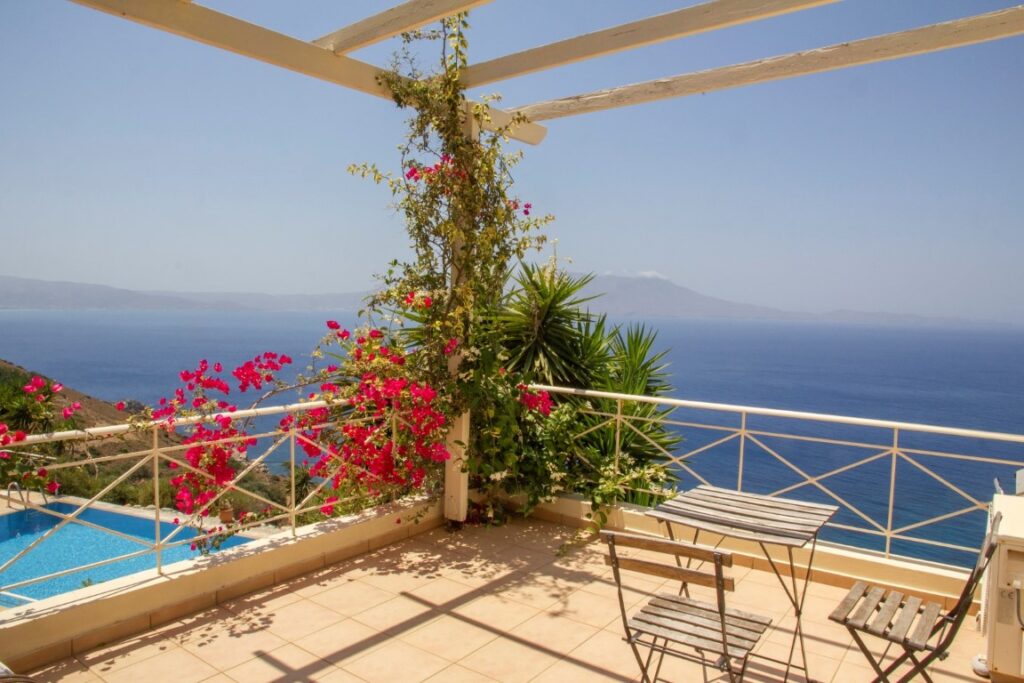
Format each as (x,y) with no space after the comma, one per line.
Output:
(75,545)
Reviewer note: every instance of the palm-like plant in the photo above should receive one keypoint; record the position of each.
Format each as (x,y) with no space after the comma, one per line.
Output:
(540,327)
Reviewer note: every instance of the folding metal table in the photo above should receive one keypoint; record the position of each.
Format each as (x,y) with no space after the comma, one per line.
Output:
(763,519)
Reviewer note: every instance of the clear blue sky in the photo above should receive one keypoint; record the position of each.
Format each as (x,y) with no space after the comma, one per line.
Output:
(135,158)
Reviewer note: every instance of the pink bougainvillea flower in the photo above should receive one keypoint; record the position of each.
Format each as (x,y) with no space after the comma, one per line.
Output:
(449,349)
(333,325)
(56,387)
(427,302)
(29,389)
(38,382)
(376,334)
(67,412)
(344,334)
(526,208)
(119,405)
(19,436)
(52,486)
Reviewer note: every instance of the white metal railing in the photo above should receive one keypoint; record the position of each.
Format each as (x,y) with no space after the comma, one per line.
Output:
(170,453)
(903,489)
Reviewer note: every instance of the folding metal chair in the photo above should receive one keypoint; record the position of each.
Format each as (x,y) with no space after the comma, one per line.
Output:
(915,625)
(668,620)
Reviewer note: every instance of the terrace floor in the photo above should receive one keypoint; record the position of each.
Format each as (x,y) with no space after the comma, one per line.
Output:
(482,604)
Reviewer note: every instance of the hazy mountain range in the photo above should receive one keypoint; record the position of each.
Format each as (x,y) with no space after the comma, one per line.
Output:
(620,297)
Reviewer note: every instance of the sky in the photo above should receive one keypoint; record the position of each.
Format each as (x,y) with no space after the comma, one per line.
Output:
(134,158)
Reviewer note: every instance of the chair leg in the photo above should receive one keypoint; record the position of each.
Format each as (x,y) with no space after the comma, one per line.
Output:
(882,675)
(645,677)
(920,667)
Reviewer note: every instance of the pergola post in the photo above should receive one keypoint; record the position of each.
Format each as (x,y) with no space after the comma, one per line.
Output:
(456,478)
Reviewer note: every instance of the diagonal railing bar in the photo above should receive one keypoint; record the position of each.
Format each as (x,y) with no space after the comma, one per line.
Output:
(940,518)
(823,489)
(74,515)
(830,473)
(967,458)
(83,522)
(942,480)
(57,466)
(706,447)
(593,429)
(818,439)
(656,420)
(230,486)
(649,440)
(74,570)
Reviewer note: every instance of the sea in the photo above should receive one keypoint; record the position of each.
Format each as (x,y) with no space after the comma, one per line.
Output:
(970,378)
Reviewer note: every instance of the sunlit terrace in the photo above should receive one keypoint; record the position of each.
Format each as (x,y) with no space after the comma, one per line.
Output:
(482,604)
(390,594)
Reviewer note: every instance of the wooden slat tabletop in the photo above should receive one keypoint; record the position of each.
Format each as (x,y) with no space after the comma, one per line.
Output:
(748,516)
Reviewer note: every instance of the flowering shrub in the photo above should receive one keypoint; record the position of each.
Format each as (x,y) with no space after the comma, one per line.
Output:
(32,407)
(384,431)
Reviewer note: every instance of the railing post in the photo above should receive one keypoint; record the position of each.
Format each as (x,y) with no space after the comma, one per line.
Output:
(618,434)
(892,490)
(292,502)
(157,540)
(743,443)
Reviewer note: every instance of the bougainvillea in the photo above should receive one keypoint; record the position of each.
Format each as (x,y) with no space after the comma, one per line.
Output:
(36,409)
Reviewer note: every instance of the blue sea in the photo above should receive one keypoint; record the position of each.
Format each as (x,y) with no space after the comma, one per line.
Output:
(970,378)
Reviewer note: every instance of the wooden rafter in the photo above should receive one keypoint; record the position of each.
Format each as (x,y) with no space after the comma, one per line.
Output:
(207,26)
(689,21)
(391,22)
(958,33)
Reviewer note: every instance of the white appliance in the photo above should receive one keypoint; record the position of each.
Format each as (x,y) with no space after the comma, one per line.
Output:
(1004,594)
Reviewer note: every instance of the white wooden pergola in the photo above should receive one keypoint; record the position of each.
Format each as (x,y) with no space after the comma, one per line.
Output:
(326,58)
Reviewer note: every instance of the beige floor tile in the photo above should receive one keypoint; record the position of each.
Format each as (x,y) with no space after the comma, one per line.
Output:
(509,661)
(566,671)
(552,633)
(125,653)
(496,612)
(446,593)
(588,608)
(398,615)
(264,600)
(342,642)
(230,647)
(173,666)
(396,661)
(351,598)
(450,637)
(219,678)
(300,619)
(285,664)
(606,651)
(458,674)
(70,670)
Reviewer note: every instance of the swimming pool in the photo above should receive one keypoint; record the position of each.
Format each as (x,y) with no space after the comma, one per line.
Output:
(75,545)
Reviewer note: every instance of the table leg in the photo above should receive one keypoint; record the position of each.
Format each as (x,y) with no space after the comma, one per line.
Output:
(797,596)
(684,588)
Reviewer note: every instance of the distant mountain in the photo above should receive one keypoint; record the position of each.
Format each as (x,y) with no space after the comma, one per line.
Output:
(618,296)
(17,292)
(650,297)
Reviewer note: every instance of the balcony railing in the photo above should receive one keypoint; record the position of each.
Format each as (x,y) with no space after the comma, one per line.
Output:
(904,489)
(275,447)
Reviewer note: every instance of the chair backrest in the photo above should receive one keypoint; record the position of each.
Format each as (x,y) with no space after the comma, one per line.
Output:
(958,613)
(713,579)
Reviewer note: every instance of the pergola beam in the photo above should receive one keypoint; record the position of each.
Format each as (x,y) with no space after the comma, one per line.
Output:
(391,22)
(950,34)
(207,26)
(689,21)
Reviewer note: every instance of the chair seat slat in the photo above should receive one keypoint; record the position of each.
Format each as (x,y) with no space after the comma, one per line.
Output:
(732,615)
(652,627)
(918,638)
(846,606)
(687,620)
(905,620)
(866,608)
(886,611)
